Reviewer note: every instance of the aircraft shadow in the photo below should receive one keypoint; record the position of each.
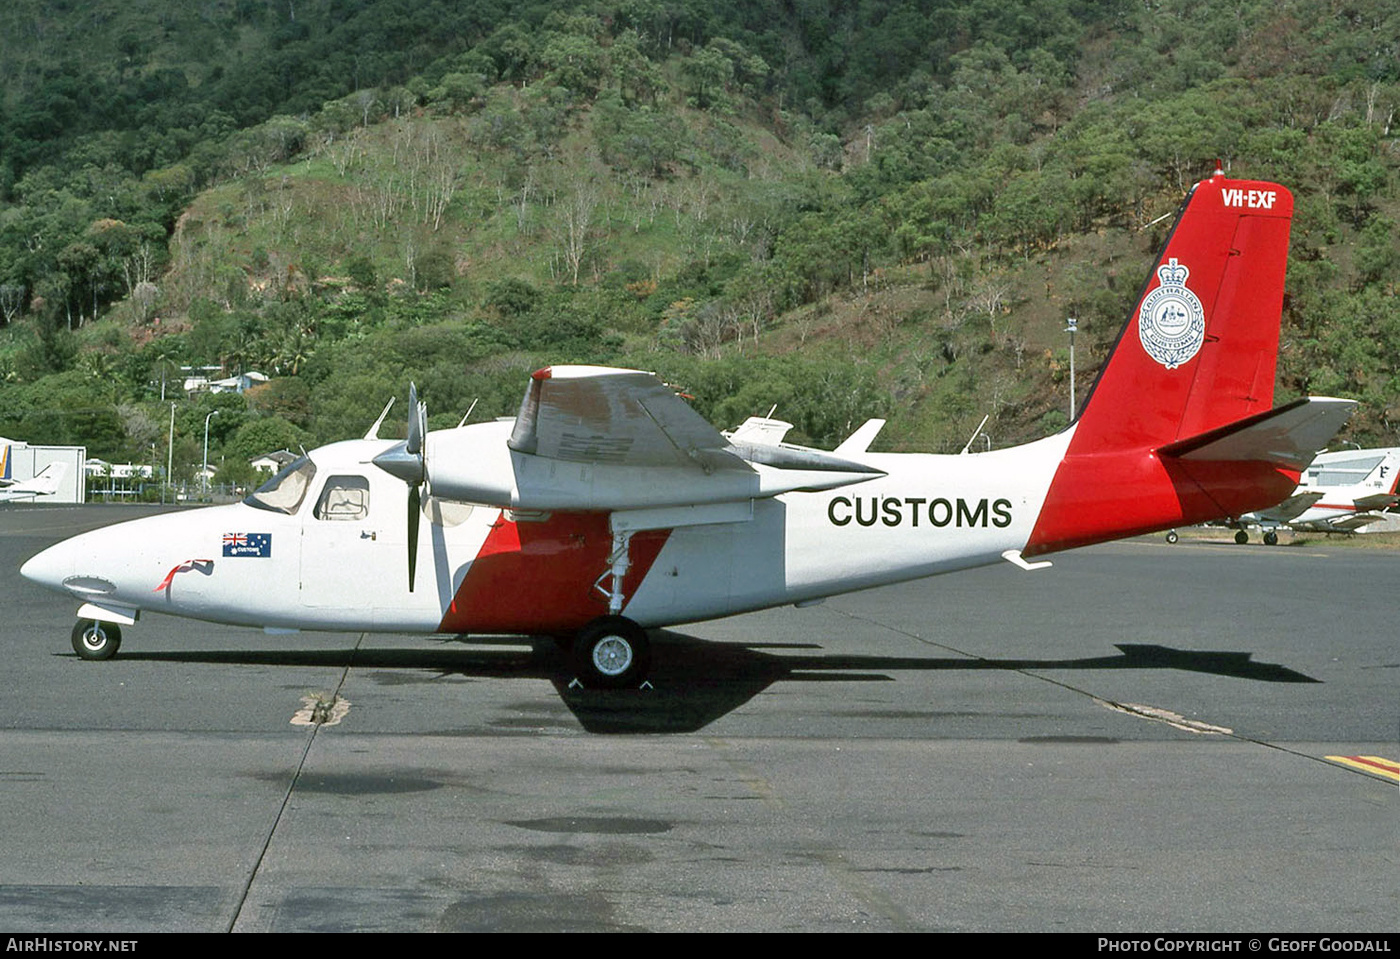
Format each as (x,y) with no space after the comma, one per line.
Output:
(695,681)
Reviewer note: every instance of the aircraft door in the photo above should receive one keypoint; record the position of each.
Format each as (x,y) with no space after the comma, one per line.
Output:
(342,546)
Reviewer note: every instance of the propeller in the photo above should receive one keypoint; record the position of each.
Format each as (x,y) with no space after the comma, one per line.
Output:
(409,462)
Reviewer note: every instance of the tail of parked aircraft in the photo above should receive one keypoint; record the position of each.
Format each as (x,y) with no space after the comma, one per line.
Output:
(46,483)
(1179,427)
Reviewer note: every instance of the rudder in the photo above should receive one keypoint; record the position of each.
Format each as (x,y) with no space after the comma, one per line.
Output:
(1200,348)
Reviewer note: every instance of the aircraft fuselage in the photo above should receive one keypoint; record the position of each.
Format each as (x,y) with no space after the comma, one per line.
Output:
(335,560)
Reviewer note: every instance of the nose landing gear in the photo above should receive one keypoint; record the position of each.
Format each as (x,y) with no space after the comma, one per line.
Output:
(94,639)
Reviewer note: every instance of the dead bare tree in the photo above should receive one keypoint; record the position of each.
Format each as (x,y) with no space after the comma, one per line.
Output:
(11,300)
(573,228)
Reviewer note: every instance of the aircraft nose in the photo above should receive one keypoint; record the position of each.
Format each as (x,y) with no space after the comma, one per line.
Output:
(51,567)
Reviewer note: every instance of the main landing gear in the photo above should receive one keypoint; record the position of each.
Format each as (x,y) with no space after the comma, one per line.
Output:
(612,652)
(1270,537)
(94,639)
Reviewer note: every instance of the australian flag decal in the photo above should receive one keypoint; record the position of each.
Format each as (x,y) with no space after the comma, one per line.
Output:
(248,544)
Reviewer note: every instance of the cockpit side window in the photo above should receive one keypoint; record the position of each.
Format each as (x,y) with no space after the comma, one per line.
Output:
(344,499)
(285,491)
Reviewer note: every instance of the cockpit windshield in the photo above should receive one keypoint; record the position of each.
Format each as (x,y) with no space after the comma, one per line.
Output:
(285,491)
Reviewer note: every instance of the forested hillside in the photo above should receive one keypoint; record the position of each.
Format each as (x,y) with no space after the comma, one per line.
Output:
(841,209)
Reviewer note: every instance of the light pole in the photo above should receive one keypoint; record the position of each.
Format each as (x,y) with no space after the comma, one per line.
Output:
(170,452)
(204,472)
(1071,329)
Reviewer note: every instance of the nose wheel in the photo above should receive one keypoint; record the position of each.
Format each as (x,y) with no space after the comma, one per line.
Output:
(94,639)
(611,653)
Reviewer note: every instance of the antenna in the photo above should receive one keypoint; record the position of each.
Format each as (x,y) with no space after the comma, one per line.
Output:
(468,413)
(975,433)
(373,433)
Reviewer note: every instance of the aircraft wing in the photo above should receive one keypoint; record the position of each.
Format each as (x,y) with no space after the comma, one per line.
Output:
(596,438)
(1376,501)
(592,414)
(1344,523)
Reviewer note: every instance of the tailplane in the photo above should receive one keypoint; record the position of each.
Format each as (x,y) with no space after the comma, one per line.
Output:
(1179,427)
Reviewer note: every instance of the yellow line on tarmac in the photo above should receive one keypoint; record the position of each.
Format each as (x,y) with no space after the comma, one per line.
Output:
(1376,765)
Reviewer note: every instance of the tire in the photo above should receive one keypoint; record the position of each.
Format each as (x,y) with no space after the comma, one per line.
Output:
(1172,537)
(1241,537)
(1271,538)
(94,639)
(612,653)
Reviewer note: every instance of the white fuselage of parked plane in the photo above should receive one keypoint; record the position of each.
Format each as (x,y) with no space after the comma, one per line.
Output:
(1354,487)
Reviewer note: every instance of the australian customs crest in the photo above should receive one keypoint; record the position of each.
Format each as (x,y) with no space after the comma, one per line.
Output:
(1171,323)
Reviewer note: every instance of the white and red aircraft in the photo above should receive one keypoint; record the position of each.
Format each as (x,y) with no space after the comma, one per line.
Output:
(1341,492)
(608,506)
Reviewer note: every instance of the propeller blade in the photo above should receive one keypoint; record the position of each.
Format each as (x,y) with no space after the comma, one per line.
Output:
(414,443)
(423,432)
(409,462)
(414,514)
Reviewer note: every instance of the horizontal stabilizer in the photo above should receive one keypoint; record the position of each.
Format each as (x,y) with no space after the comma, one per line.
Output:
(1290,508)
(1288,436)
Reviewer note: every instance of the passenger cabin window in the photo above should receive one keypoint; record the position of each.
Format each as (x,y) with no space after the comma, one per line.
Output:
(285,491)
(345,499)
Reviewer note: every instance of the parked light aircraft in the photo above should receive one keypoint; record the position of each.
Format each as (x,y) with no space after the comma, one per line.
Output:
(609,506)
(1341,492)
(13,490)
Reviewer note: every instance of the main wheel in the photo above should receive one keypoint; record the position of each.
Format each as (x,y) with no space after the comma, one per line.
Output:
(1271,538)
(94,639)
(612,653)
(1241,537)
(1172,536)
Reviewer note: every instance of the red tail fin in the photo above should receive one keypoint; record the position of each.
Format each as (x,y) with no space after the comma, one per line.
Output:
(1199,349)
(1197,354)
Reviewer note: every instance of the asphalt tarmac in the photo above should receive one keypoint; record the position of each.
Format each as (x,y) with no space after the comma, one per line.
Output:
(1135,740)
